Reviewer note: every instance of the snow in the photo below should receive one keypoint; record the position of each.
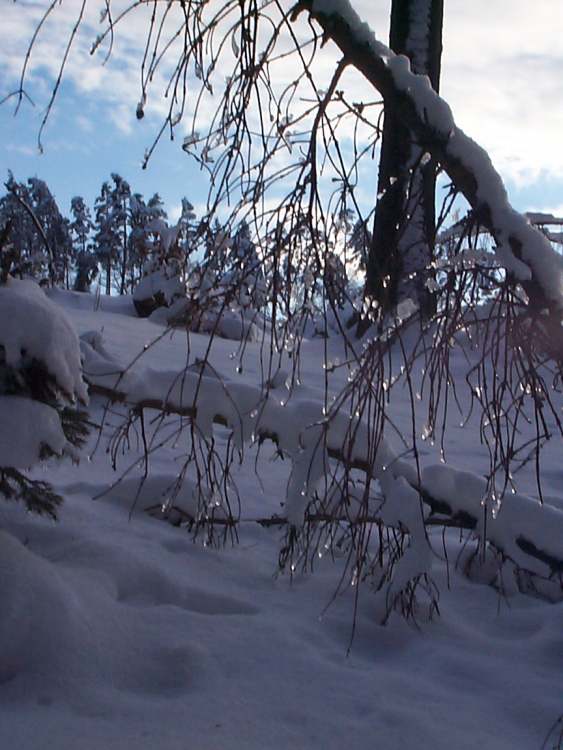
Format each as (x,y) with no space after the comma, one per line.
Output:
(513,232)
(306,434)
(117,630)
(555,237)
(428,104)
(537,217)
(26,427)
(40,329)
(508,260)
(510,226)
(299,425)
(402,507)
(518,515)
(159,281)
(35,328)
(168,235)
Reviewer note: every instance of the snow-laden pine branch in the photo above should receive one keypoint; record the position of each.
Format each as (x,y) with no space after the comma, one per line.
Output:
(34,332)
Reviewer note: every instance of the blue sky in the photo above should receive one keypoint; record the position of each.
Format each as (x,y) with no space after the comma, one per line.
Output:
(501,73)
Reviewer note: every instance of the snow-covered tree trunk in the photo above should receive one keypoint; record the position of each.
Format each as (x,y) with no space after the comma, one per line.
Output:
(523,251)
(403,235)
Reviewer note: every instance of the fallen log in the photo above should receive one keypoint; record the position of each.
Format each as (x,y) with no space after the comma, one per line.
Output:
(524,531)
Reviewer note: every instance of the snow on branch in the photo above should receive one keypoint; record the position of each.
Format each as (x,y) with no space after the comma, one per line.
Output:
(524,251)
(40,330)
(457,230)
(40,371)
(523,531)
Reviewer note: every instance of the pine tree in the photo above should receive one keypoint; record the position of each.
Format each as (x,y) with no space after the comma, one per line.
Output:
(40,382)
(82,225)
(139,243)
(187,232)
(55,227)
(120,195)
(107,238)
(143,239)
(39,234)
(19,224)
(85,261)
(246,274)
(155,208)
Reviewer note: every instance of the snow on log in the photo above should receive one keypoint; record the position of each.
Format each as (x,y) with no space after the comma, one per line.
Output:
(543,219)
(525,531)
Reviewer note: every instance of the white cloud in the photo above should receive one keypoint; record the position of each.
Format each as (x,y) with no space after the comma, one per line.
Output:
(85,124)
(20,149)
(501,71)
(174,213)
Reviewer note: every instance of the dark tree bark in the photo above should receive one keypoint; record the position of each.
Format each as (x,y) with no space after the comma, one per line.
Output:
(404,226)
(469,168)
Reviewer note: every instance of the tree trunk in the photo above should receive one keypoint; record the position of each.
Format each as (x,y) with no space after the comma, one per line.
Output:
(521,249)
(404,225)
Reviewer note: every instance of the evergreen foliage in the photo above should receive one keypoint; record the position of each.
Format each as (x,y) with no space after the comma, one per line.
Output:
(28,379)
(39,236)
(84,259)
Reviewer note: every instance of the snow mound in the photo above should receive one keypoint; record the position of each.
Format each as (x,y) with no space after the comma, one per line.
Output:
(55,646)
(156,283)
(39,329)
(26,428)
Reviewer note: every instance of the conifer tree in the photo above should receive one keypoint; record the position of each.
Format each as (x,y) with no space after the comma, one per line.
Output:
(138,241)
(120,195)
(107,238)
(55,227)
(39,234)
(85,261)
(40,383)
(186,233)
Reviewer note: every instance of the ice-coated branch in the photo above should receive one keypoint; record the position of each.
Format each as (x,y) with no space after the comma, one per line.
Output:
(523,531)
(523,250)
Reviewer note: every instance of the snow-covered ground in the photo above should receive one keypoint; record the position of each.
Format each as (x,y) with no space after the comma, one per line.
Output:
(117,630)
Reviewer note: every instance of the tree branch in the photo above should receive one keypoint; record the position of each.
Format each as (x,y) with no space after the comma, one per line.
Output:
(520,246)
(528,540)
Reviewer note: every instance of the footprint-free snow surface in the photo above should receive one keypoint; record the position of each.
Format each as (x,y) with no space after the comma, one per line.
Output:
(118,631)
